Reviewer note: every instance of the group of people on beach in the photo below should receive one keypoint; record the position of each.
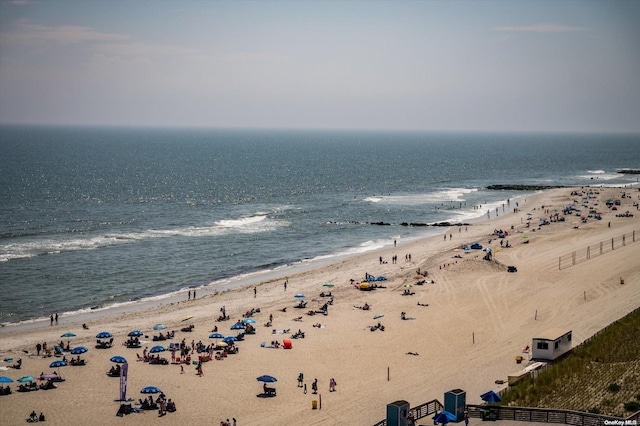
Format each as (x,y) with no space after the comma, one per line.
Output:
(33,417)
(54,318)
(314,384)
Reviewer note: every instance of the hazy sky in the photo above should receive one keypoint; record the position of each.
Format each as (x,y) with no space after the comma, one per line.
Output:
(436,65)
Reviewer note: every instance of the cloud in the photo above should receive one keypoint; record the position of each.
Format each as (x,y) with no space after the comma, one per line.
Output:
(542,28)
(30,34)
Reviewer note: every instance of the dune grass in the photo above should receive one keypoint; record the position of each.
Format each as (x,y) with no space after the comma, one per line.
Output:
(602,375)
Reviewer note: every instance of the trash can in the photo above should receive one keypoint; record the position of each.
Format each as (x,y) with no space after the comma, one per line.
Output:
(621,280)
(314,404)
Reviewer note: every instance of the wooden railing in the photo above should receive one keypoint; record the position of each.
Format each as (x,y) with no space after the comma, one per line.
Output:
(420,411)
(542,415)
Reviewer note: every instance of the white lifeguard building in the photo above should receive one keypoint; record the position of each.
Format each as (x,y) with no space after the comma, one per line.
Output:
(551,344)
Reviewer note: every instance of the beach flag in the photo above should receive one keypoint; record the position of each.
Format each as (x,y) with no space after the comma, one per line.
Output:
(124,369)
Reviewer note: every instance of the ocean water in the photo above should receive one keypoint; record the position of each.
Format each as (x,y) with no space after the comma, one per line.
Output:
(98,217)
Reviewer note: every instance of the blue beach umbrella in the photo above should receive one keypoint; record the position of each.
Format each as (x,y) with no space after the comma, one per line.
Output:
(299,296)
(57,364)
(26,379)
(150,389)
(444,417)
(216,336)
(266,379)
(159,327)
(157,349)
(490,397)
(118,359)
(79,350)
(136,333)
(229,339)
(5,379)
(104,335)
(237,326)
(249,321)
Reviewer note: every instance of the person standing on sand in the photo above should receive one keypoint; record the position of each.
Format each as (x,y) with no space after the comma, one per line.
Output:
(314,386)
(300,380)
(189,297)
(38,348)
(51,319)
(332,385)
(56,318)
(255,292)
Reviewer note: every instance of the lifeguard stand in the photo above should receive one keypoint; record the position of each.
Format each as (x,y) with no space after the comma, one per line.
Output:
(455,402)
(397,413)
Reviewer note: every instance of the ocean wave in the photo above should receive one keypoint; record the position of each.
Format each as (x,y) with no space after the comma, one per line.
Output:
(32,247)
(438,196)
(600,175)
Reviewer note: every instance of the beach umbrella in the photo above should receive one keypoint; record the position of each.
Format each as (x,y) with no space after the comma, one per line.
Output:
(408,286)
(104,335)
(157,349)
(328,285)
(444,417)
(5,379)
(68,335)
(376,316)
(26,379)
(135,333)
(159,327)
(490,397)
(216,336)
(267,379)
(299,296)
(118,359)
(79,350)
(237,326)
(57,364)
(221,344)
(229,339)
(150,389)
(249,321)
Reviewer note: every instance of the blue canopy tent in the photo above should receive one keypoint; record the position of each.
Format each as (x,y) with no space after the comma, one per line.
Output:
(490,397)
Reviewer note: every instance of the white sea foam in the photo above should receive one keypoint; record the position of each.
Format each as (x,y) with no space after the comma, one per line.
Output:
(51,246)
(600,175)
(440,196)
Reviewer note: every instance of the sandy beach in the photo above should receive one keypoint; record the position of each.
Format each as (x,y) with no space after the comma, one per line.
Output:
(464,331)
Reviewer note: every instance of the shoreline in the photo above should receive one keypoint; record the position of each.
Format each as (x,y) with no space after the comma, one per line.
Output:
(253,278)
(473,321)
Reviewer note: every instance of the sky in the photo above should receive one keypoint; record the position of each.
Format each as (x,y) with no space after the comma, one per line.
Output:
(484,65)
